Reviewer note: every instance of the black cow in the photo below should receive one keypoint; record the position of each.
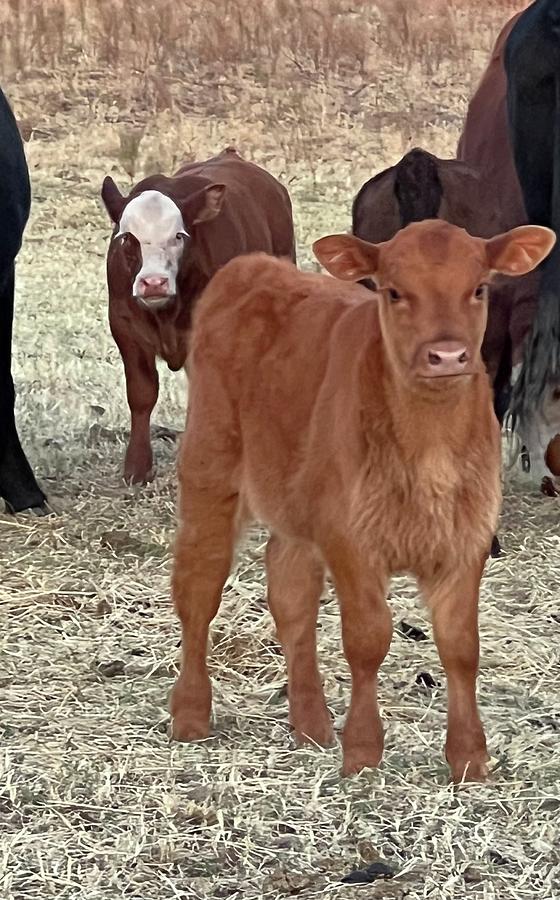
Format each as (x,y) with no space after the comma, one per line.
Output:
(17,483)
(532,66)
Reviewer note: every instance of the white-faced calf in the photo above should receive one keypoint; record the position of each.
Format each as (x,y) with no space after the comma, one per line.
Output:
(170,236)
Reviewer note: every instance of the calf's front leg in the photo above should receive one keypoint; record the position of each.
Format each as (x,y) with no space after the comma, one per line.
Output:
(142,392)
(454,605)
(366,635)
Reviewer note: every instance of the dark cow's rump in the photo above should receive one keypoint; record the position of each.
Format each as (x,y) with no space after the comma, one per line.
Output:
(18,486)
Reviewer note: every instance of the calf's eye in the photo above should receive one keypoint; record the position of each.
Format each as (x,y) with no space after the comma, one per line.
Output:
(394,295)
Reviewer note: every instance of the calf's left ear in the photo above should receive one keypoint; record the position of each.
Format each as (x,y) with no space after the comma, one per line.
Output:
(205,205)
(347,257)
(520,250)
(113,199)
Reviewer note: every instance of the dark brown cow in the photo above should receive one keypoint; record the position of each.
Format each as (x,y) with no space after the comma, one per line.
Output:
(171,235)
(346,422)
(486,145)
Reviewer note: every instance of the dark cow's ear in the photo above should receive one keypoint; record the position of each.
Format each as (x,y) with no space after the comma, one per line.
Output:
(520,250)
(113,199)
(204,205)
(347,257)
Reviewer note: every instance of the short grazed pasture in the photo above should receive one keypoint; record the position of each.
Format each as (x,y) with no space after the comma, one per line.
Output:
(94,800)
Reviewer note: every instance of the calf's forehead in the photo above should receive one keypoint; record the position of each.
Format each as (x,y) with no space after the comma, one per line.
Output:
(151,217)
(441,260)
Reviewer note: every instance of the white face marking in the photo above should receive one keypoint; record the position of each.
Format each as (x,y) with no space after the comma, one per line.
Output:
(157,224)
(544,427)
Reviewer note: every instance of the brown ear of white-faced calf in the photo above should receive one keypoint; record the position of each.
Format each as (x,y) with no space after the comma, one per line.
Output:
(204,205)
(347,257)
(113,199)
(520,250)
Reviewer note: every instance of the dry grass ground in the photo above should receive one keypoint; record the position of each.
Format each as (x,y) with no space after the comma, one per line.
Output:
(94,800)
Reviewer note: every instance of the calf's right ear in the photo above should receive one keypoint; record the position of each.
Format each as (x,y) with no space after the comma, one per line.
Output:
(347,257)
(520,250)
(204,205)
(113,199)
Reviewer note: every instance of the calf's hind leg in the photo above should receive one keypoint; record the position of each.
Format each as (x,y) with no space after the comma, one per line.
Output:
(454,606)
(203,556)
(295,581)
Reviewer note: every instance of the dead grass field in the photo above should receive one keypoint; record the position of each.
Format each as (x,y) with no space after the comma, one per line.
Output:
(94,801)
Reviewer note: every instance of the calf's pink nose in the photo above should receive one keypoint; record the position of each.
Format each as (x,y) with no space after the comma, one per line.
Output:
(154,286)
(446,358)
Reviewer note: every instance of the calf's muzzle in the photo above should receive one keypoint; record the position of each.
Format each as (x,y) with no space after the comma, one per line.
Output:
(154,286)
(437,359)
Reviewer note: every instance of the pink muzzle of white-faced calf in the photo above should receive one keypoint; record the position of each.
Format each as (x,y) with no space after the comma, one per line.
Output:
(153,286)
(443,359)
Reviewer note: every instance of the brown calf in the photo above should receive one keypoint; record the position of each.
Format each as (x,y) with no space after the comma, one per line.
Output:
(359,428)
(171,235)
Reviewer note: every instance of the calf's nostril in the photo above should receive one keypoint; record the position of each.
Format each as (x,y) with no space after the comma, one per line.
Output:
(463,357)
(434,358)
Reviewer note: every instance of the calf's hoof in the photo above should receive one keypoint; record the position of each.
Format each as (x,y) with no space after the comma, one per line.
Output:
(190,713)
(185,728)
(361,756)
(316,732)
(471,772)
(141,475)
(469,767)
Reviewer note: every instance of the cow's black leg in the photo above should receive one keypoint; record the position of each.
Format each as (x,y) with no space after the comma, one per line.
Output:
(501,404)
(17,483)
